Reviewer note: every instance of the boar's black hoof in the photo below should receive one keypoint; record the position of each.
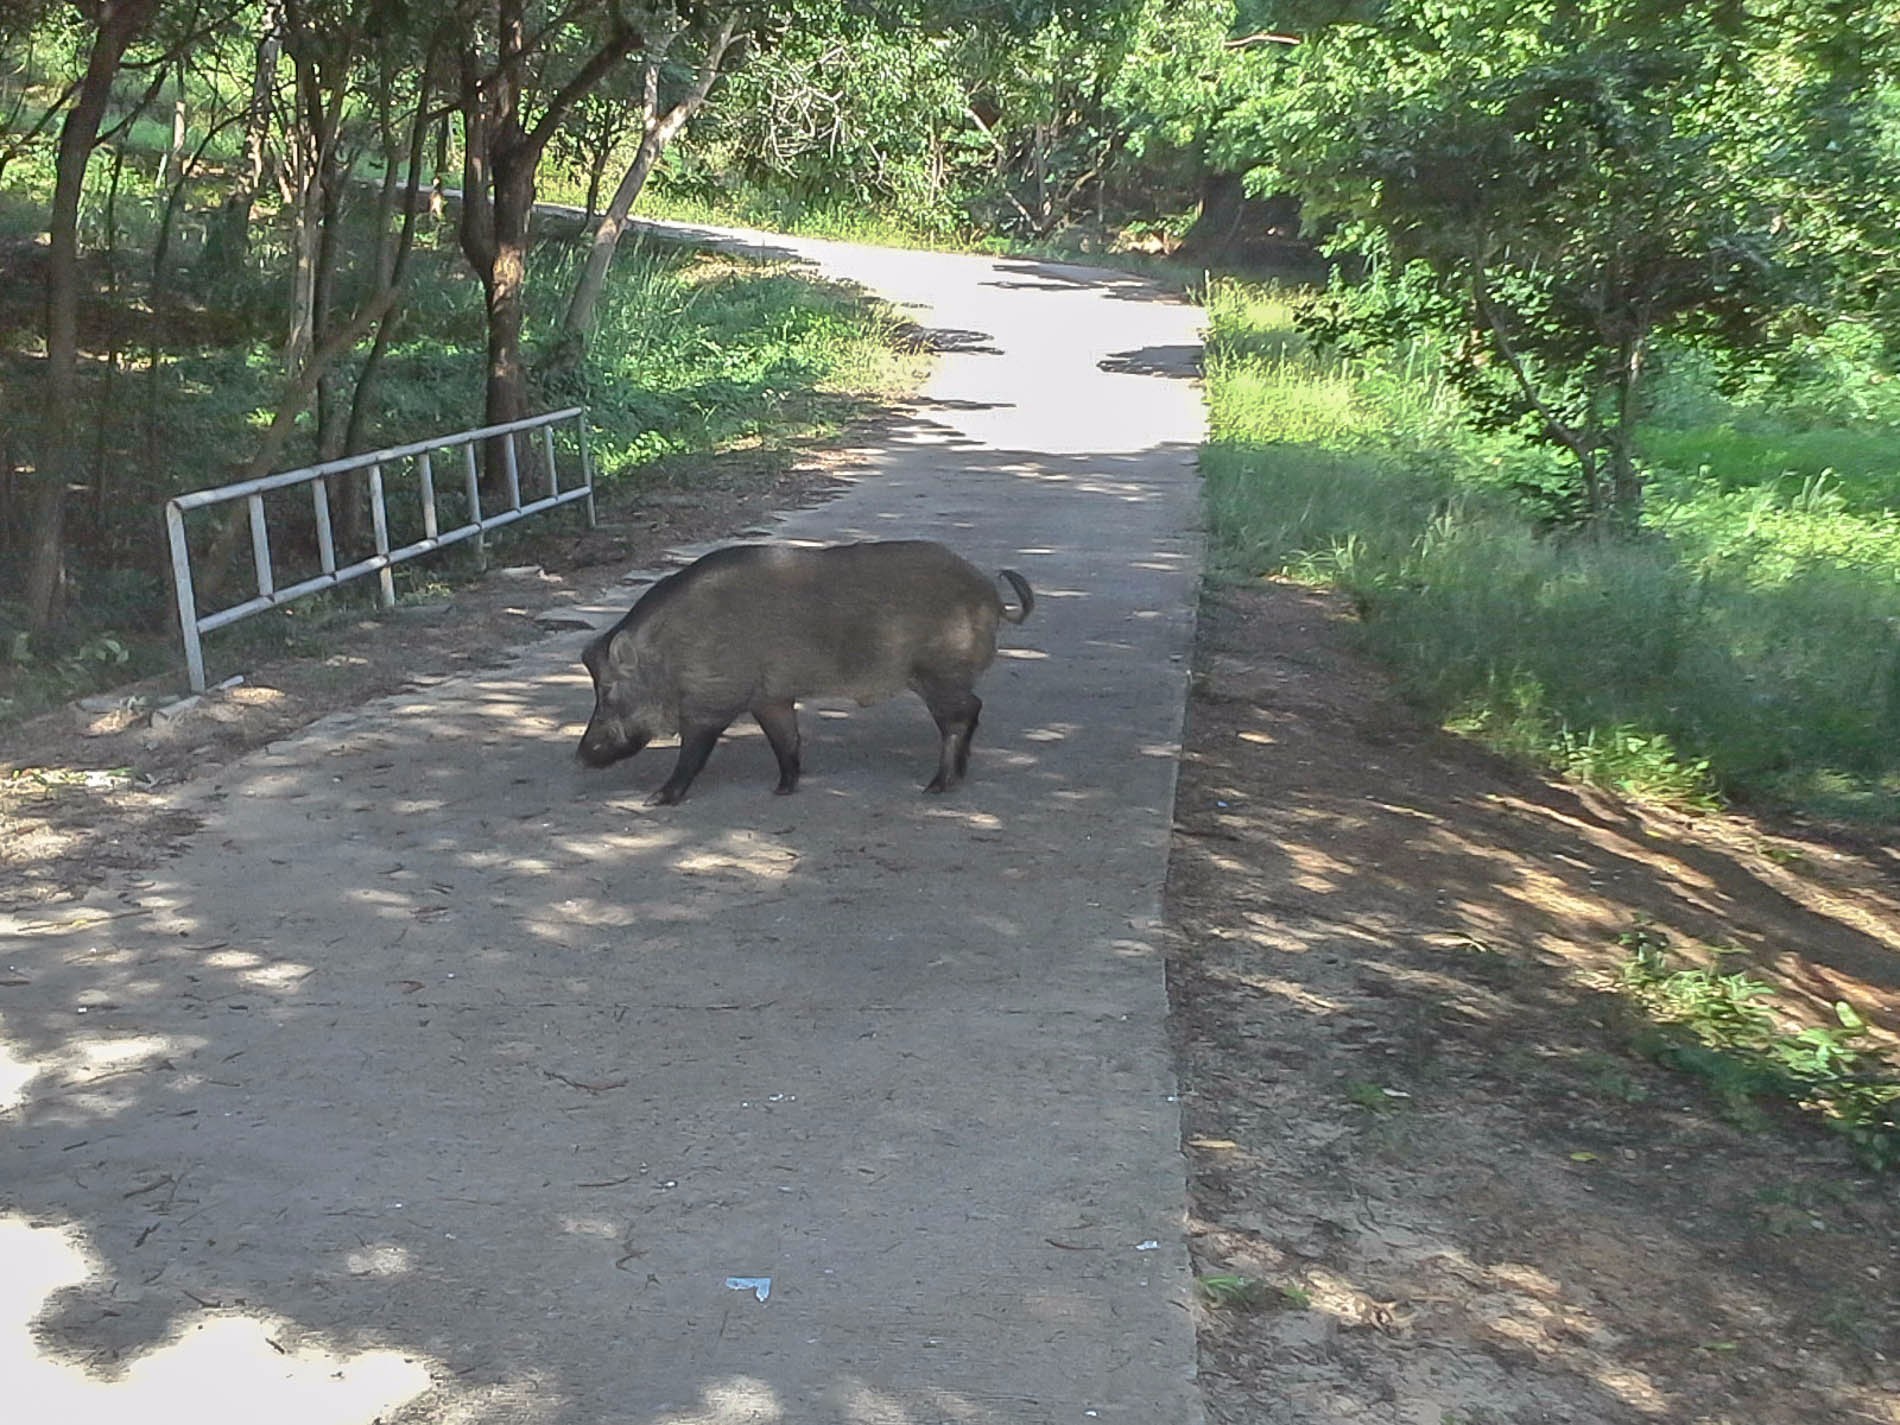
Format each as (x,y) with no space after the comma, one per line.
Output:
(784,789)
(667,797)
(936,786)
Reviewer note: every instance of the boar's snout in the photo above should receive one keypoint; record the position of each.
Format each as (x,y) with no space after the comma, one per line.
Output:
(607,741)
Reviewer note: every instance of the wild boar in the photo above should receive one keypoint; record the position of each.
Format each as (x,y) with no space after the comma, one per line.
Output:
(754,628)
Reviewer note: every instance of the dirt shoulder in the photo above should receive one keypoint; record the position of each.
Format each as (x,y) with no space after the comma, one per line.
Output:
(82,788)
(1412,1104)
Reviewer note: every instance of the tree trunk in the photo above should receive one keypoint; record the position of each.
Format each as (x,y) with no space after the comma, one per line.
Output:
(1234,229)
(333,179)
(119,23)
(228,241)
(657,131)
(300,328)
(596,175)
(499,164)
(506,394)
(106,407)
(1626,480)
(174,154)
(392,271)
(1581,443)
(396,216)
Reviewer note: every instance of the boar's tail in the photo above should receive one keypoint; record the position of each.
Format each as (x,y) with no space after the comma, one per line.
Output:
(1024,596)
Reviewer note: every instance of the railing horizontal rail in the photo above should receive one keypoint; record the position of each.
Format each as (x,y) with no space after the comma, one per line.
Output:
(198,499)
(510,475)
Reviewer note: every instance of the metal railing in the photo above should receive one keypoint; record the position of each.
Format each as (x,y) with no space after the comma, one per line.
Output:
(194,625)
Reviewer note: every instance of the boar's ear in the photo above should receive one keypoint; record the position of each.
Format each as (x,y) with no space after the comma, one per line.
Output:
(590,657)
(620,652)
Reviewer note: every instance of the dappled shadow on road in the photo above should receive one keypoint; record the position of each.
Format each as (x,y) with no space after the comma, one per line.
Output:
(445,1070)
(225,1368)
(1115,283)
(1181,360)
(928,403)
(1413,1100)
(940,341)
(700,238)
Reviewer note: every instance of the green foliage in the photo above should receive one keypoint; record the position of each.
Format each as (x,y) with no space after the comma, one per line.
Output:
(1725,1030)
(38,673)
(834,118)
(1371,1097)
(1747,642)
(1550,189)
(1519,721)
(1014,125)
(693,354)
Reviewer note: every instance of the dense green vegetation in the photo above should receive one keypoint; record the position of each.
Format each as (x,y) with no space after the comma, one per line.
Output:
(1597,420)
(1747,639)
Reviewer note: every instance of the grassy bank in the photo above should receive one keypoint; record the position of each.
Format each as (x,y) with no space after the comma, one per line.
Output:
(1747,644)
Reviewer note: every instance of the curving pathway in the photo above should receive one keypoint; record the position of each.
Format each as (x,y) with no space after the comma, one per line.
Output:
(440,1080)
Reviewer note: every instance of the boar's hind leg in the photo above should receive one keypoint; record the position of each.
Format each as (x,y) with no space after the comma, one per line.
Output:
(780,724)
(696,745)
(956,711)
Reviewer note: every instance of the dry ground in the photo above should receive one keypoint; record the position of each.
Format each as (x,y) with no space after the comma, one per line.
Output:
(1411,1110)
(1409,1106)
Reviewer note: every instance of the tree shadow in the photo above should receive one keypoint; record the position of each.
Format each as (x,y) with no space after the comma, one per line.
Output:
(1412,1097)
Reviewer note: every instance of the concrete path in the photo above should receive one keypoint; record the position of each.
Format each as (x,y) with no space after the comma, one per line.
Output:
(441,1080)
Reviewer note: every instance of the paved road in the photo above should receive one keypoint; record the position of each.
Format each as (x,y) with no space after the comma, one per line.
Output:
(440,1080)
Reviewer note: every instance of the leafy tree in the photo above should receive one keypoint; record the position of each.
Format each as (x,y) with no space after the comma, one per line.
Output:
(522,71)
(118,25)
(982,114)
(1555,187)
(716,41)
(846,112)
(1191,63)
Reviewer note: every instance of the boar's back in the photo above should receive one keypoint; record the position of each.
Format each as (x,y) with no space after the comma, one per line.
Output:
(754,623)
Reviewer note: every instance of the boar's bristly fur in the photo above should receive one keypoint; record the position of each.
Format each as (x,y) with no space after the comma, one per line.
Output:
(753,628)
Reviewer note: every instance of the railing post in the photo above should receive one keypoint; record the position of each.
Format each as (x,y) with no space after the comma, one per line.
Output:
(385,579)
(587,469)
(187,600)
(425,471)
(512,466)
(554,473)
(320,508)
(472,475)
(260,547)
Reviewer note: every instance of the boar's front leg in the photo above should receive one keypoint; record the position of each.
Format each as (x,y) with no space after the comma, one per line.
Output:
(956,711)
(696,745)
(779,722)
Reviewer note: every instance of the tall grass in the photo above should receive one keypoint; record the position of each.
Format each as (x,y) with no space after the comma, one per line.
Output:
(691,353)
(1747,642)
